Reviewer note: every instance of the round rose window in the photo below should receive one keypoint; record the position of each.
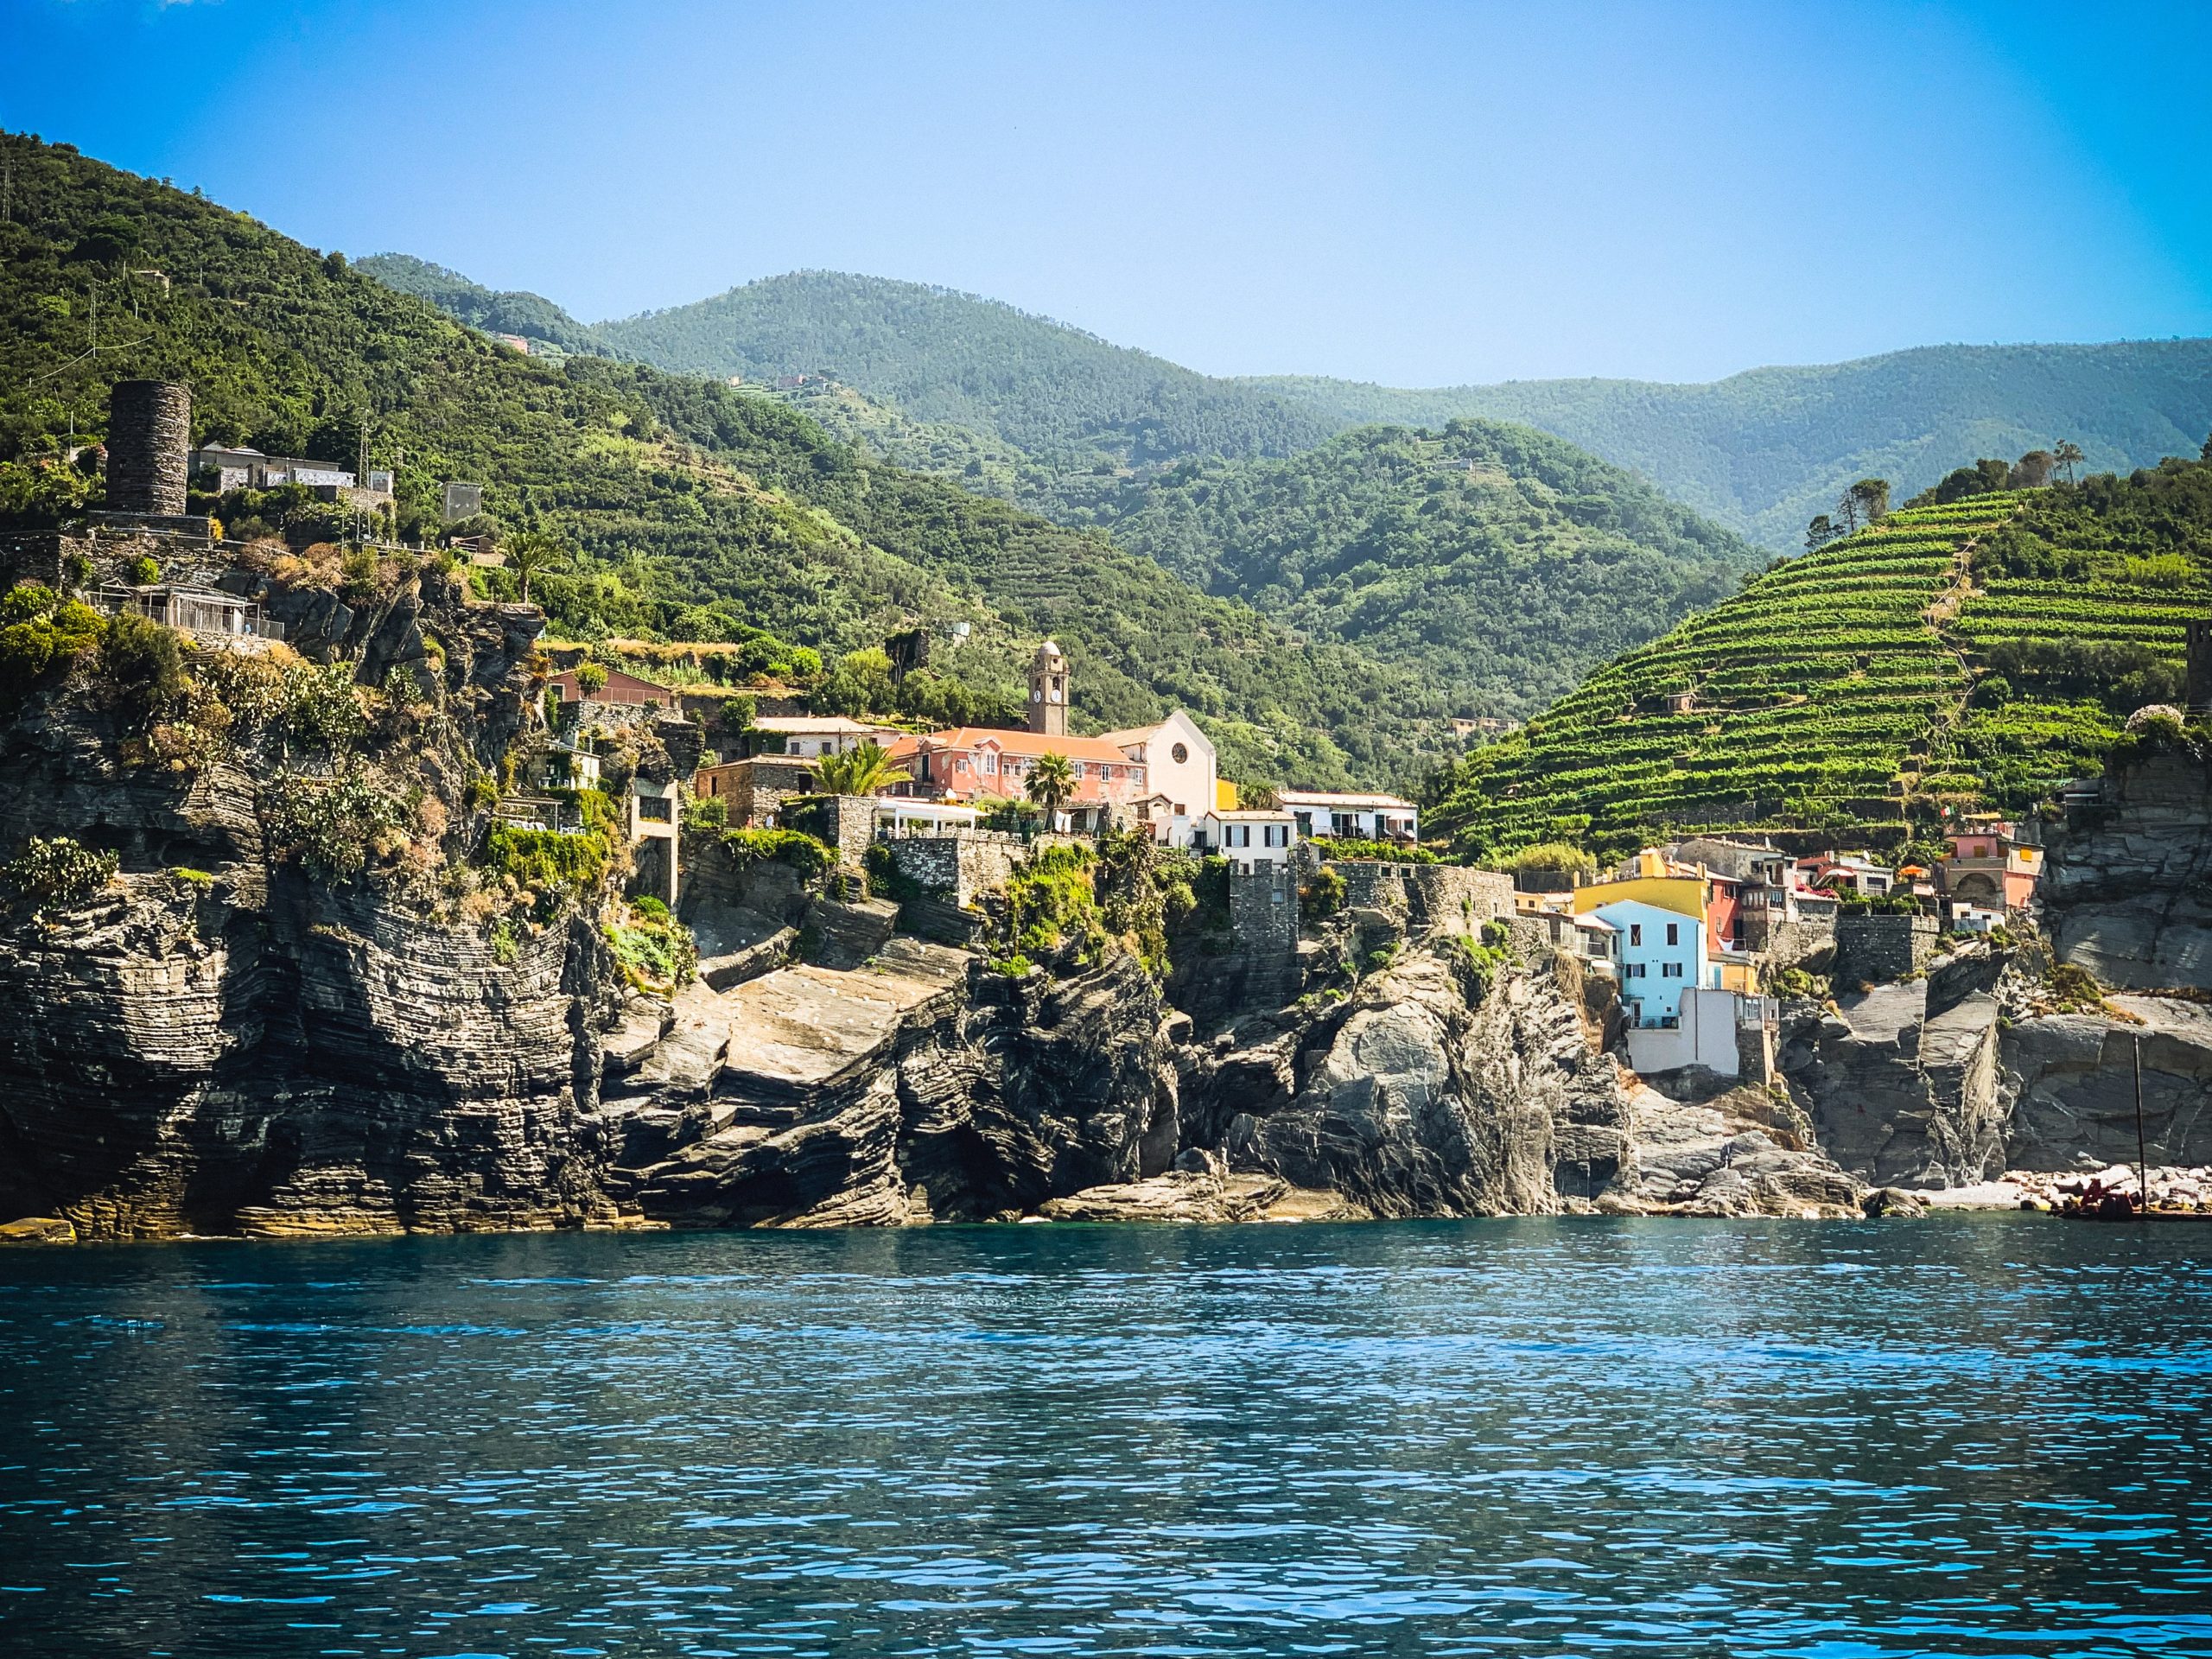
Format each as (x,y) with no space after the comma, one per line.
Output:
(1181,752)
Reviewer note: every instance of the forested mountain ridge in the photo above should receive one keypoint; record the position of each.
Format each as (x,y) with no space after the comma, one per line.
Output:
(512,312)
(1498,560)
(696,510)
(1759,452)
(1763,451)
(1058,394)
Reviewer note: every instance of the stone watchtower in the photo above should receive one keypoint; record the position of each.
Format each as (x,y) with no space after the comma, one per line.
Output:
(2198,696)
(1048,691)
(148,433)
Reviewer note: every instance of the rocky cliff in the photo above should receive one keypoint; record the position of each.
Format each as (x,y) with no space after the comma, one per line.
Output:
(302,1003)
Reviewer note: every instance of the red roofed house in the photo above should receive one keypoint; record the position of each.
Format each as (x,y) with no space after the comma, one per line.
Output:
(626,689)
(971,763)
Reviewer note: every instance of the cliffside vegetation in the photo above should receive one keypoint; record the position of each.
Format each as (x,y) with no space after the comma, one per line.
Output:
(1975,654)
(693,508)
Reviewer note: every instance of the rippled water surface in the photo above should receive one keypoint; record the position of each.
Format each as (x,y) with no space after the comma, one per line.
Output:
(1963,1436)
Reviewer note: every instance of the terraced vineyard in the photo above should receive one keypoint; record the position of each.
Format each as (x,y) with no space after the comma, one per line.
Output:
(1813,695)
(1977,654)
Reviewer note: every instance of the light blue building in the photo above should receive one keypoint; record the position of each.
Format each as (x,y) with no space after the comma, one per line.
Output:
(1662,954)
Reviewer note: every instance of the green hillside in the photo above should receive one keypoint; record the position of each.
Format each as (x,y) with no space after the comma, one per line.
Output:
(697,511)
(1759,452)
(1056,393)
(1500,585)
(1500,563)
(1977,654)
(1762,451)
(531,315)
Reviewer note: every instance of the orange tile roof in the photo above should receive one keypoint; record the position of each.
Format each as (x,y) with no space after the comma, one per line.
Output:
(1009,742)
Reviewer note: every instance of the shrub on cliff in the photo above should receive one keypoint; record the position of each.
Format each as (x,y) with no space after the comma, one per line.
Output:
(41,636)
(802,853)
(1051,900)
(143,667)
(656,951)
(58,872)
(327,824)
(547,864)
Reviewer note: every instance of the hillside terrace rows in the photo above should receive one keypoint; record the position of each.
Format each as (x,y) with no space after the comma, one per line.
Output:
(1809,690)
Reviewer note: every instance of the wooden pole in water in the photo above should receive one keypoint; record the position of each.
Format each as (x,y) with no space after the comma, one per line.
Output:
(2142,1160)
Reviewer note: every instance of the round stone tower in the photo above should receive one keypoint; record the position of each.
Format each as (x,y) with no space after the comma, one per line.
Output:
(149,434)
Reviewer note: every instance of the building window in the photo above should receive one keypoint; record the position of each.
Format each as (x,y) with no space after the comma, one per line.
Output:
(654,807)
(1181,752)
(1674,932)
(1670,971)
(1636,932)
(990,762)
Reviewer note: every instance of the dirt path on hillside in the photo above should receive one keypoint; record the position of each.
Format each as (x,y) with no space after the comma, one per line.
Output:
(1942,612)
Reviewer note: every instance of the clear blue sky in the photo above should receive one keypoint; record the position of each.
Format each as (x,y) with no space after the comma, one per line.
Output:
(1418,194)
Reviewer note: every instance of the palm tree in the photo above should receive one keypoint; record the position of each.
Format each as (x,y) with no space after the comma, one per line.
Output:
(1051,781)
(860,771)
(532,552)
(2066,453)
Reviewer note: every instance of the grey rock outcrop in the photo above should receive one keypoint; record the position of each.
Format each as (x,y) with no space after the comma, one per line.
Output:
(2069,1080)
(2129,889)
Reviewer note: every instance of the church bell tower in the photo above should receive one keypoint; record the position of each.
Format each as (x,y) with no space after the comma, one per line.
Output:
(1048,691)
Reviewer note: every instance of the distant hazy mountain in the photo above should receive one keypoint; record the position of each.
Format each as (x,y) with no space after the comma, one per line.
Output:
(1761,452)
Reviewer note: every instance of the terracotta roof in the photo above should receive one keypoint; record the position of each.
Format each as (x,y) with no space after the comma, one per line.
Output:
(842,725)
(1024,743)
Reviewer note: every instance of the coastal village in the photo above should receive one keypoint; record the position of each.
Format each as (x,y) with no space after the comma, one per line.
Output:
(788,894)
(1689,940)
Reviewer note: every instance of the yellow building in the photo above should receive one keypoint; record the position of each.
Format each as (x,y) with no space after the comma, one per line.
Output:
(1650,884)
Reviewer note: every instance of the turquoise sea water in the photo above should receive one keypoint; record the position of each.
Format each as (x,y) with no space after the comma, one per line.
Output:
(1958,1436)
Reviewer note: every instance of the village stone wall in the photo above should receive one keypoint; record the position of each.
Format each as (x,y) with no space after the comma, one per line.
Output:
(1427,898)
(1263,924)
(959,867)
(1807,943)
(1879,949)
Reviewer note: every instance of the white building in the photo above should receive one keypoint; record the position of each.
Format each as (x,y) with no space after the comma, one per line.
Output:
(1703,1032)
(811,736)
(1181,773)
(1366,817)
(896,816)
(1249,838)
(569,764)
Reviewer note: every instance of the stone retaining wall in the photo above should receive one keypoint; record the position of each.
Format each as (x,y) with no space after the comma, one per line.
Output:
(1876,948)
(1427,898)
(960,867)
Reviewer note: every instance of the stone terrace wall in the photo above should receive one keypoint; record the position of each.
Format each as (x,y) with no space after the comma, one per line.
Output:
(1876,948)
(1264,922)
